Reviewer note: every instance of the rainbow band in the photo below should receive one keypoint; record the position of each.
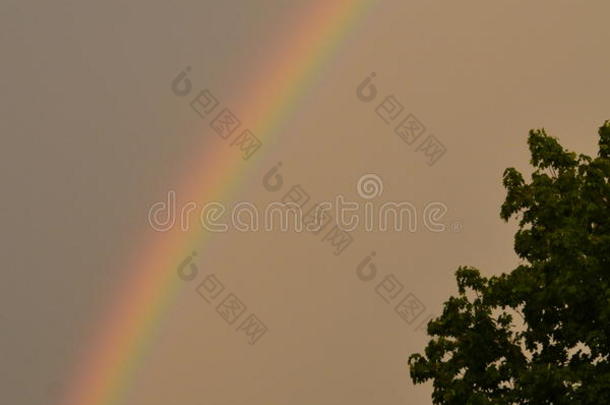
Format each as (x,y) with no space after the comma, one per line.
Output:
(138,309)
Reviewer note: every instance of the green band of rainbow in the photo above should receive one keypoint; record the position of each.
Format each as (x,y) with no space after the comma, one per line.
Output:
(104,375)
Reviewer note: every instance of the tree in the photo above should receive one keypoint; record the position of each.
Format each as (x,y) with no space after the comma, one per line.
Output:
(539,334)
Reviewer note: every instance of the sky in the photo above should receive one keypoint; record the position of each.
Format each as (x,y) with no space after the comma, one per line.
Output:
(95,133)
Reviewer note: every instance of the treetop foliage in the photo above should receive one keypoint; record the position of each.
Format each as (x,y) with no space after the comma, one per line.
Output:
(539,334)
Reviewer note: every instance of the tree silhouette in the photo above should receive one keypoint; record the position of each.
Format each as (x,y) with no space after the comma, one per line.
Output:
(539,334)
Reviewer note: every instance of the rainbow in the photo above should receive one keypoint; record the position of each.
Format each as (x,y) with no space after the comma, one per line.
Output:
(128,328)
